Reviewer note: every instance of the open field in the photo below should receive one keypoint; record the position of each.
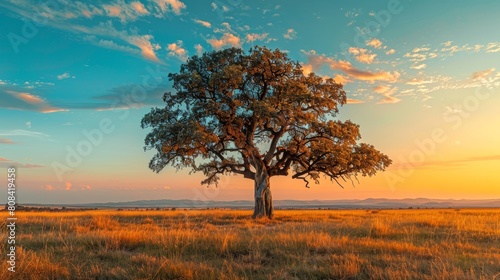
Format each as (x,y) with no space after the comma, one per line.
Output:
(227,244)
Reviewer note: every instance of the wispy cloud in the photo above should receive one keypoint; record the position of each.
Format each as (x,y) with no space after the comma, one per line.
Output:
(65,75)
(164,6)
(104,34)
(204,23)
(6,163)
(387,92)
(290,34)
(255,36)
(21,132)
(316,61)
(482,74)
(354,101)
(17,100)
(418,66)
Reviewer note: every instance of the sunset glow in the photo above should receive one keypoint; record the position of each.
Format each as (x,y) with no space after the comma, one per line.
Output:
(422,81)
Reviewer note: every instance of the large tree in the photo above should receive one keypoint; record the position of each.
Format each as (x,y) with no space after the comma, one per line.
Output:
(256,114)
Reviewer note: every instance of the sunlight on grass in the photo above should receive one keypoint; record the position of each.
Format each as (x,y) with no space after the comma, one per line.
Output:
(227,244)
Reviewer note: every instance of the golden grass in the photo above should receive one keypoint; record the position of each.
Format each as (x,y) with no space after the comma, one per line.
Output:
(227,244)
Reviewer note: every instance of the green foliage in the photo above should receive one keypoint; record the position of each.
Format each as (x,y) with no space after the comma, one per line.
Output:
(233,111)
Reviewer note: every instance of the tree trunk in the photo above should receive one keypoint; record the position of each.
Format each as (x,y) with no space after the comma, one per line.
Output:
(263,198)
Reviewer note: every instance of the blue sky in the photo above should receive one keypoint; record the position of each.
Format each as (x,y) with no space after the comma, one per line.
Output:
(77,77)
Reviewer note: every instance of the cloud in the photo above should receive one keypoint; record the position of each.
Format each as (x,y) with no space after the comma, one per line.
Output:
(416,57)
(17,100)
(204,23)
(341,79)
(450,163)
(418,66)
(139,8)
(387,92)
(6,141)
(482,74)
(166,5)
(419,81)
(199,49)
(493,48)
(21,132)
(307,69)
(126,12)
(143,42)
(176,50)
(391,51)
(147,48)
(255,36)
(68,186)
(65,75)
(111,45)
(290,34)
(362,55)
(227,39)
(422,49)
(6,163)
(114,11)
(376,43)
(358,74)
(354,101)
(122,98)
(315,62)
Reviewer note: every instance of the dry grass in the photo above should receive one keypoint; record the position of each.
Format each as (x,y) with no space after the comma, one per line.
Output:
(227,244)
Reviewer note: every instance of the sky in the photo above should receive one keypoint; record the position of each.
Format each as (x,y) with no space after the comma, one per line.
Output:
(422,80)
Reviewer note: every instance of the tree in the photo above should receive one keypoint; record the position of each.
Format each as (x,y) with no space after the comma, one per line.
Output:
(259,116)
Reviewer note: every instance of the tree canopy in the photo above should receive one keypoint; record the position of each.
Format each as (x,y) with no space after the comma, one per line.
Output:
(256,114)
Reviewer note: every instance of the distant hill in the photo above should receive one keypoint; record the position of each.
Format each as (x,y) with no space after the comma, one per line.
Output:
(306,204)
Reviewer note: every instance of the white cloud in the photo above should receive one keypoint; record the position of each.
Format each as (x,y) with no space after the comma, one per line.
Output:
(255,36)
(493,48)
(418,66)
(204,23)
(65,75)
(290,34)
(391,51)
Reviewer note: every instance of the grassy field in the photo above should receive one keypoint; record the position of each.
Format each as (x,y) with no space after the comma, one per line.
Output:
(227,244)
